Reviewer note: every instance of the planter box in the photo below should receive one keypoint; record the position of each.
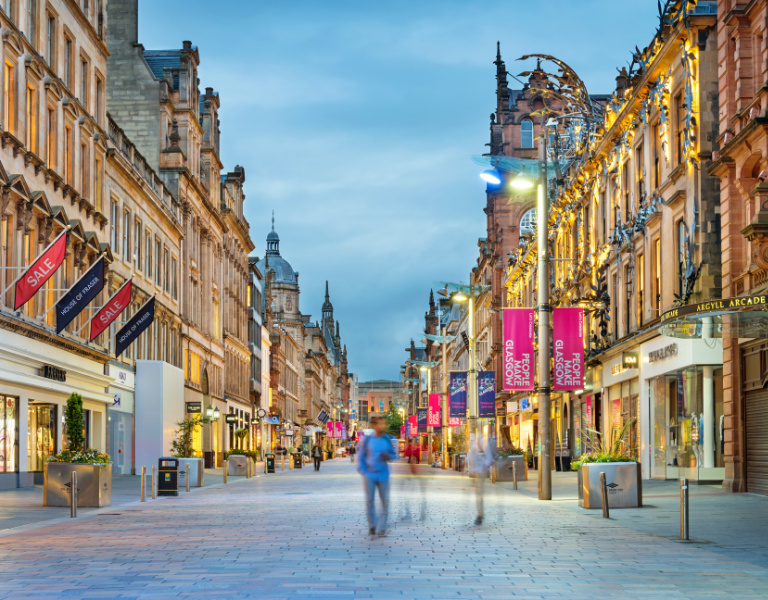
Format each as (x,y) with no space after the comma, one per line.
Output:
(623,480)
(196,472)
(94,484)
(237,465)
(504,468)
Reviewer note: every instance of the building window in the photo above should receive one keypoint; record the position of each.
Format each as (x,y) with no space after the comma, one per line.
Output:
(9,98)
(50,41)
(137,228)
(248,296)
(656,133)
(97,185)
(681,255)
(526,134)
(84,170)
(174,278)
(158,254)
(639,174)
(628,303)
(657,274)
(627,207)
(84,83)
(126,235)
(68,141)
(113,227)
(680,110)
(32,23)
(166,269)
(148,254)
(603,217)
(31,118)
(68,45)
(11,7)
(216,319)
(99,99)
(50,139)
(640,289)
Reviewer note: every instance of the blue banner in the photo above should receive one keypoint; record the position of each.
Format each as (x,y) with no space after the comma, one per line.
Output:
(486,394)
(80,295)
(457,383)
(135,326)
(422,414)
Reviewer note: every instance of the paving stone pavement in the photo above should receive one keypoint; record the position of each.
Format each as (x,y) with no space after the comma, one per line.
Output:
(304,535)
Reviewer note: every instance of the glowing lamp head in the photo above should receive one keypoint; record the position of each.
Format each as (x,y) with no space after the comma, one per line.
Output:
(521,182)
(459,297)
(491,176)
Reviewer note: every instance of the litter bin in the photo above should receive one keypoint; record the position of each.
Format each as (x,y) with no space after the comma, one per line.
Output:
(270,460)
(168,476)
(461,461)
(455,462)
(297,463)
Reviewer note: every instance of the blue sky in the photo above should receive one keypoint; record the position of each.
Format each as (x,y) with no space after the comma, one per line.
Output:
(355,122)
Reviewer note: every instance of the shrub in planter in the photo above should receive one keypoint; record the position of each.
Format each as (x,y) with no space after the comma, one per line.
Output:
(235,452)
(89,456)
(73,417)
(602,450)
(181,446)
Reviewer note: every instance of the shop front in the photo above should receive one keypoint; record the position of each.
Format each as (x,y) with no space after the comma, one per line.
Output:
(120,419)
(620,402)
(683,379)
(36,379)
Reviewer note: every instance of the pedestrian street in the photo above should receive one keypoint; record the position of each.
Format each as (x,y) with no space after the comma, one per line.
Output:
(302,534)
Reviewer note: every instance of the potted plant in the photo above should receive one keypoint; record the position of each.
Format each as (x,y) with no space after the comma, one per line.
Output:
(182,447)
(93,468)
(622,471)
(241,435)
(504,461)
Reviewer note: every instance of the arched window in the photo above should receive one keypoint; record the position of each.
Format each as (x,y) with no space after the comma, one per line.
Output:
(526,134)
(528,222)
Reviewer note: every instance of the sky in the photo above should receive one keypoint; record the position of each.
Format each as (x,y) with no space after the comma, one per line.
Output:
(355,122)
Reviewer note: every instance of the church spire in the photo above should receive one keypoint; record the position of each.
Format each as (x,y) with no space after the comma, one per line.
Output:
(327,308)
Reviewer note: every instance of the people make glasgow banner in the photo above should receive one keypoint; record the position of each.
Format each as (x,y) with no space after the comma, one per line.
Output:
(80,294)
(135,326)
(433,411)
(519,328)
(457,389)
(568,348)
(413,426)
(40,271)
(110,311)
(486,394)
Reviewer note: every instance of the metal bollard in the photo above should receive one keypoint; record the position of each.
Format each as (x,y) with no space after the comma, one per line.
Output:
(282,462)
(514,476)
(604,495)
(225,469)
(143,484)
(153,482)
(73,495)
(189,476)
(684,509)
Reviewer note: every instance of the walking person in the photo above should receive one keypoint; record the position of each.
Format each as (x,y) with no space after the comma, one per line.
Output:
(317,455)
(375,453)
(352,451)
(479,462)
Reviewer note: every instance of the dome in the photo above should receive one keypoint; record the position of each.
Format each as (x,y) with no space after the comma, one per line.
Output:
(273,237)
(284,273)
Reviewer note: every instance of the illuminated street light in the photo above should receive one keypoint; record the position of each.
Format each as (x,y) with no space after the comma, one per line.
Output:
(491,176)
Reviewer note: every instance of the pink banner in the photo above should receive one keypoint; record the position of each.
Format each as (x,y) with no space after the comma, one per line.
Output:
(339,430)
(518,348)
(568,348)
(402,432)
(329,429)
(433,412)
(454,421)
(413,425)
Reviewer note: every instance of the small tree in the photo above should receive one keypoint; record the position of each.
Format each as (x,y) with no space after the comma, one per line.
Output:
(73,415)
(240,435)
(394,420)
(181,446)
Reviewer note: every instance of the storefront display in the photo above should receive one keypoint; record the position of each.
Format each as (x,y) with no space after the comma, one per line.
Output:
(41,435)
(9,407)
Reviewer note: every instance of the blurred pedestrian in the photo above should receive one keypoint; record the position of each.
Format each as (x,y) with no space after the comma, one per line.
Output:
(317,455)
(479,462)
(375,453)
(352,452)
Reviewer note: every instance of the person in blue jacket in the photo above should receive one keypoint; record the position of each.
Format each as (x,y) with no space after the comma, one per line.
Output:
(375,453)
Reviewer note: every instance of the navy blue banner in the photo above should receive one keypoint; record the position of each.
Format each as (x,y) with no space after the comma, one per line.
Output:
(135,326)
(422,414)
(80,295)
(457,390)
(486,394)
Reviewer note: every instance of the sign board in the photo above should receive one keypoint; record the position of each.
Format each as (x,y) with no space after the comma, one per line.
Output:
(231,418)
(194,407)
(501,411)
(568,348)
(272,420)
(457,393)
(511,406)
(486,394)
(518,355)
(630,360)
(50,372)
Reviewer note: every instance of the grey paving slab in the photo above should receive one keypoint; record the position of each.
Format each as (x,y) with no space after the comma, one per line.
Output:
(301,534)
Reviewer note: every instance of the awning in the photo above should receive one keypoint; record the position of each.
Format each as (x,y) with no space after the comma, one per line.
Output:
(740,317)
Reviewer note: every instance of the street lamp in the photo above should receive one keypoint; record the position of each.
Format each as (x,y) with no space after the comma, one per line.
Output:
(521,182)
(491,176)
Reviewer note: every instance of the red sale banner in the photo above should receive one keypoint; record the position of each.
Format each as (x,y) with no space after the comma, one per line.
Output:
(519,328)
(40,271)
(433,412)
(109,312)
(568,348)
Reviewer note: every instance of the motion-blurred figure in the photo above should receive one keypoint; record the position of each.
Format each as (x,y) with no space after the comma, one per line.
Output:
(479,461)
(375,453)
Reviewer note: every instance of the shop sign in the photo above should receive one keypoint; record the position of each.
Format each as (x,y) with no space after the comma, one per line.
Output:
(272,420)
(231,418)
(54,373)
(135,326)
(501,411)
(458,393)
(194,407)
(302,412)
(568,348)
(525,404)
(630,360)
(80,295)
(518,348)
(662,353)
(486,394)
(118,400)
(110,311)
(511,406)
(40,271)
